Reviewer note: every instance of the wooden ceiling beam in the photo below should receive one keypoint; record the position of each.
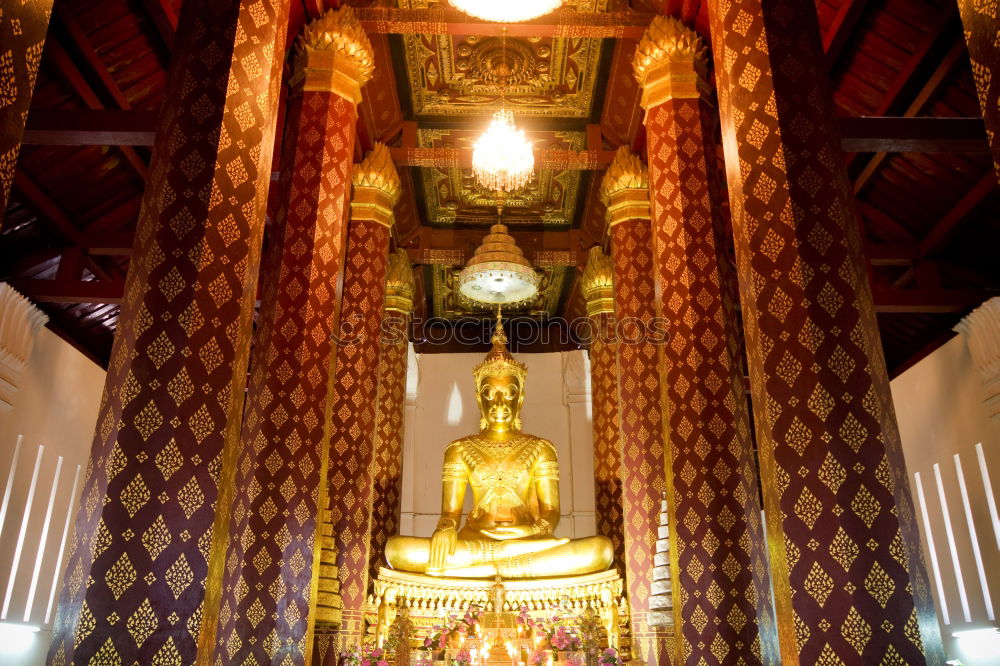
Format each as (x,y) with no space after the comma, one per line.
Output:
(71,291)
(90,127)
(930,88)
(562,23)
(867,134)
(68,70)
(927,301)
(907,134)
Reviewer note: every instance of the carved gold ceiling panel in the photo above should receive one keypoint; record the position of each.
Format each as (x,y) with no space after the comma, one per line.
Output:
(449,303)
(460,75)
(452,194)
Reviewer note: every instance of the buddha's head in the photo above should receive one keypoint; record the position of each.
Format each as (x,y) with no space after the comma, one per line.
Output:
(500,386)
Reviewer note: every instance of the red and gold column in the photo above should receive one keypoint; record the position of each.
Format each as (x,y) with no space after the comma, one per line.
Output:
(350,480)
(981,21)
(597,286)
(22,35)
(387,452)
(267,589)
(625,192)
(724,603)
(168,431)
(847,569)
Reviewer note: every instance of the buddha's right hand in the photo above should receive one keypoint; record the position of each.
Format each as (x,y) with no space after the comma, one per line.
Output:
(443,543)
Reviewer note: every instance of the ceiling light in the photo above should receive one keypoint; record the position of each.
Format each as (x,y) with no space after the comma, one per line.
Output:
(502,160)
(498,273)
(506,11)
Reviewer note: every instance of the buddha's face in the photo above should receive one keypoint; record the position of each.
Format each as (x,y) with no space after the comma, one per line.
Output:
(500,401)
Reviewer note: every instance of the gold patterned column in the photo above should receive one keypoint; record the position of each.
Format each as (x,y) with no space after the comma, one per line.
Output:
(387,453)
(271,561)
(139,578)
(724,606)
(847,566)
(349,477)
(981,20)
(625,192)
(23,25)
(597,286)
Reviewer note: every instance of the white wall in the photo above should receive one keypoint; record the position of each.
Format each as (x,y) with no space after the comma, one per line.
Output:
(442,408)
(55,408)
(942,419)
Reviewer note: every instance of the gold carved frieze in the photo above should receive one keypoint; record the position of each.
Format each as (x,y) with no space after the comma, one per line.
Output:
(449,303)
(453,194)
(460,75)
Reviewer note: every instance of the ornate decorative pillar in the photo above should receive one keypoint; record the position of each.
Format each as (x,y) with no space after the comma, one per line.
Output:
(981,21)
(350,481)
(168,433)
(848,573)
(19,324)
(267,590)
(981,330)
(22,35)
(597,286)
(724,603)
(387,453)
(625,192)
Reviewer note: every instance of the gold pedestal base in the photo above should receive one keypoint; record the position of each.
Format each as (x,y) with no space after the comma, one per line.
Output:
(431,599)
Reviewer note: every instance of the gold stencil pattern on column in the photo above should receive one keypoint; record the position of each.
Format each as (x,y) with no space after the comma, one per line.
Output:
(349,477)
(639,415)
(981,19)
(23,26)
(141,573)
(849,580)
(271,560)
(597,286)
(723,586)
(387,454)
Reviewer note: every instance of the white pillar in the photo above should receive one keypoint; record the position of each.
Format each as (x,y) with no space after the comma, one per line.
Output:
(981,330)
(19,324)
(406,506)
(577,399)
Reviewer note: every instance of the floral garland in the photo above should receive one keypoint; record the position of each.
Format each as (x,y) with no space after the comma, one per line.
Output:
(455,626)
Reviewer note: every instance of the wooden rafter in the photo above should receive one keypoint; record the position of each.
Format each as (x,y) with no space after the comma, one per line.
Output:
(842,29)
(68,70)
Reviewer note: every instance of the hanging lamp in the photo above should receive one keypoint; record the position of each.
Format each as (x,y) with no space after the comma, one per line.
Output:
(506,11)
(498,273)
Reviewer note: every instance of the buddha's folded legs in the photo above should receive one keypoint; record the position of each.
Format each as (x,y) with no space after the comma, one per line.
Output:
(527,558)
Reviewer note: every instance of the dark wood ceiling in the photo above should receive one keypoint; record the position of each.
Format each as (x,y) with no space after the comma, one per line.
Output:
(930,218)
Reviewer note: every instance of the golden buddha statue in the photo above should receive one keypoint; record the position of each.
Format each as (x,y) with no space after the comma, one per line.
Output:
(514,478)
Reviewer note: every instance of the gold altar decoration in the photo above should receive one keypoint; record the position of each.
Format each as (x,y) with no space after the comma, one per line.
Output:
(625,188)
(376,187)
(514,478)
(670,62)
(328,601)
(333,54)
(428,598)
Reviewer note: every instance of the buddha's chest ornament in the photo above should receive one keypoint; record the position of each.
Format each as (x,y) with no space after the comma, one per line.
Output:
(499,472)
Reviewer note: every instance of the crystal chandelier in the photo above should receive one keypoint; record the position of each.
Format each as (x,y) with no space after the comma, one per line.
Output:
(506,11)
(502,160)
(498,273)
